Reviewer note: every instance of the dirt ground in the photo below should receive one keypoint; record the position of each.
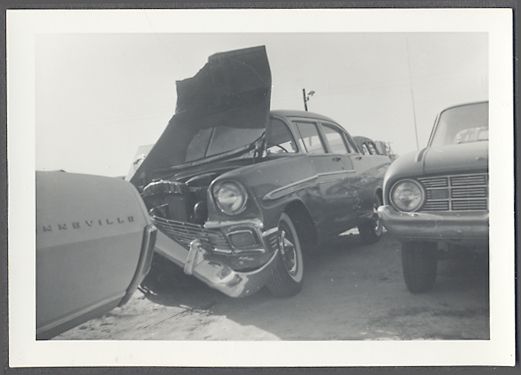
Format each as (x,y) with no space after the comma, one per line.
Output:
(351,292)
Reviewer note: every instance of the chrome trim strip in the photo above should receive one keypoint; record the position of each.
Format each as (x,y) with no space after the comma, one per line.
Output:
(345,171)
(272,195)
(229,223)
(269,231)
(253,232)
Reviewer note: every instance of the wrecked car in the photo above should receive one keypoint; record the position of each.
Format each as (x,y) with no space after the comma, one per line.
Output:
(436,199)
(92,249)
(239,192)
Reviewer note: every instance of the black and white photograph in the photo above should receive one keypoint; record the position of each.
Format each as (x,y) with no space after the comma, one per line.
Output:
(312,183)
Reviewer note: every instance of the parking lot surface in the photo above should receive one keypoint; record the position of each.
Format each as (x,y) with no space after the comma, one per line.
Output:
(351,292)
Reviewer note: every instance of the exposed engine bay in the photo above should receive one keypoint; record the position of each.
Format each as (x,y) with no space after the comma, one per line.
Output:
(181,200)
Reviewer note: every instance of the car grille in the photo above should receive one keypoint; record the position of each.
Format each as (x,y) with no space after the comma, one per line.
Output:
(184,233)
(212,239)
(465,192)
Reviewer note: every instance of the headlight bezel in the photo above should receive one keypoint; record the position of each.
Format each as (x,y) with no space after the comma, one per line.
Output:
(218,204)
(414,182)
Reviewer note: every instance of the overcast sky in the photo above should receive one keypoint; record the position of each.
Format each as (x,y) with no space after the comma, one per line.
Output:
(100,96)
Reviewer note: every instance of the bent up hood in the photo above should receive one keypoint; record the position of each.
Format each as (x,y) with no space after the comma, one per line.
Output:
(232,90)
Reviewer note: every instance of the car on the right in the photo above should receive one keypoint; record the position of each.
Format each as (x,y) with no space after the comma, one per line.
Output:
(436,199)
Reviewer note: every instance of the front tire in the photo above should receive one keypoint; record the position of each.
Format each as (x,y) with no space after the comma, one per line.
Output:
(288,270)
(419,264)
(370,231)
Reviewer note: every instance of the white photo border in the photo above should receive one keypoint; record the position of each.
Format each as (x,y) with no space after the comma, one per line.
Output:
(25,351)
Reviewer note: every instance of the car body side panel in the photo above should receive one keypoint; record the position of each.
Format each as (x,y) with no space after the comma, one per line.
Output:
(339,196)
(325,191)
(271,187)
(371,170)
(89,247)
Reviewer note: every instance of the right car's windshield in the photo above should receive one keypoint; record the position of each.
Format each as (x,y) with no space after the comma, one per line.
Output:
(462,124)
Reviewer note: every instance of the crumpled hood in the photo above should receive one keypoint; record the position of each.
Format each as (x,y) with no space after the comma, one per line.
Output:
(233,89)
(464,157)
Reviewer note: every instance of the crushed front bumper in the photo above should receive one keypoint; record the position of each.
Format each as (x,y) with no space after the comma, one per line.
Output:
(461,227)
(213,265)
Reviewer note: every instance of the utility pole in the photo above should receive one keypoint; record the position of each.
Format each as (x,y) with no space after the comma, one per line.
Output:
(306,96)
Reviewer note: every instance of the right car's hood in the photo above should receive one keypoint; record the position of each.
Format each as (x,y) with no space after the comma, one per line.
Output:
(458,158)
(451,159)
(232,90)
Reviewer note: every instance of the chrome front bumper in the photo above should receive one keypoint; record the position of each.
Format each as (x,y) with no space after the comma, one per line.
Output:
(197,262)
(443,226)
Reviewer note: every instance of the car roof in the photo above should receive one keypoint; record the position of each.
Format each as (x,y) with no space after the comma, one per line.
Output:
(362,139)
(305,114)
(465,104)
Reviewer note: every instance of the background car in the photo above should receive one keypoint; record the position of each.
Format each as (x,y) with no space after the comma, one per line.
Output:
(437,198)
(94,246)
(239,192)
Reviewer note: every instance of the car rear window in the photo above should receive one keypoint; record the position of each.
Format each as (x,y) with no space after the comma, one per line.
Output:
(335,140)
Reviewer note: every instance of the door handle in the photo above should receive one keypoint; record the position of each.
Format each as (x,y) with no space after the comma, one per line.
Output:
(336,158)
(358,157)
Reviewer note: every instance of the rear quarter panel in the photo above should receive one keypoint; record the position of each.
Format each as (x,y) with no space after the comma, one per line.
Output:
(371,169)
(88,245)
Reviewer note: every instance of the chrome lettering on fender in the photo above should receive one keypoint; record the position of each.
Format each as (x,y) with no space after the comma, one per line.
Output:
(85,224)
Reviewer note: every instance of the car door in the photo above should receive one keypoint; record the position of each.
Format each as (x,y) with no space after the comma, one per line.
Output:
(330,171)
(347,189)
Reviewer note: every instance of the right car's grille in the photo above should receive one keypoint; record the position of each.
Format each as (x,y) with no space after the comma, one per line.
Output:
(465,192)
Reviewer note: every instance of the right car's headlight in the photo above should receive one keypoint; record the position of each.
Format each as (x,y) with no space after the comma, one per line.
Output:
(407,195)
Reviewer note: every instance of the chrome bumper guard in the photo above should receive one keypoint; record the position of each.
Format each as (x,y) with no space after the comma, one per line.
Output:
(439,226)
(196,261)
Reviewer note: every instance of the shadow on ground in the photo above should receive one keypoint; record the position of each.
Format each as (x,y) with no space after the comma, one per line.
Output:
(351,292)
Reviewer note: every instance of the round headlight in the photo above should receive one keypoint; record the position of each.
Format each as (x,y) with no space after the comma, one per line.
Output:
(230,197)
(407,195)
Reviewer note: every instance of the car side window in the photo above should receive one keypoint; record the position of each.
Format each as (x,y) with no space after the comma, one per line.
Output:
(309,138)
(335,140)
(351,145)
(280,139)
(372,148)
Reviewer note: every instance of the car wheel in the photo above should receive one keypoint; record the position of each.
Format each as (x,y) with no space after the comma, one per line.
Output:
(371,230)
(288,270)
(419,264)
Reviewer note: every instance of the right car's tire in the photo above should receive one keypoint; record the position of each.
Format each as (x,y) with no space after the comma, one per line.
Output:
(288,271)
(419,264)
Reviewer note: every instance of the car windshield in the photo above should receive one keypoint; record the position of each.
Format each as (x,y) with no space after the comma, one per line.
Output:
(462,124)
(220,139)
